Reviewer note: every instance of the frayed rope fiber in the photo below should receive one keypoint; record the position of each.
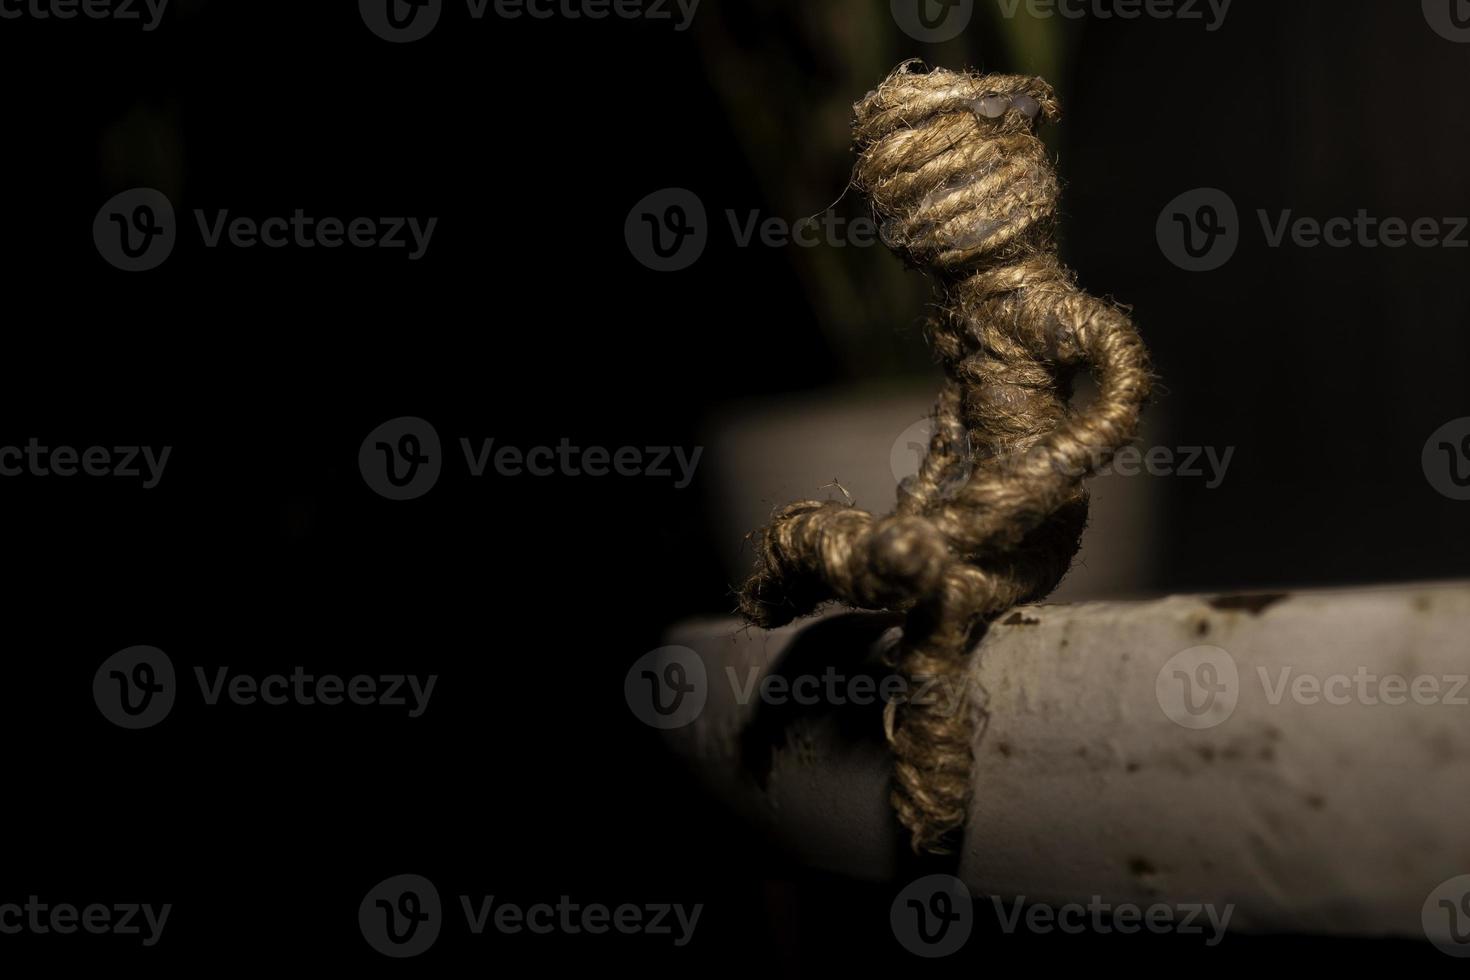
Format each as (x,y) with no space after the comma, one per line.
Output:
(954,167)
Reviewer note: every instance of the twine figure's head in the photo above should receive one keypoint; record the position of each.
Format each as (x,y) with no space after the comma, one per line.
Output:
(954,165)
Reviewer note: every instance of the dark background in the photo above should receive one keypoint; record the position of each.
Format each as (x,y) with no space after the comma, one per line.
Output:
(530,321)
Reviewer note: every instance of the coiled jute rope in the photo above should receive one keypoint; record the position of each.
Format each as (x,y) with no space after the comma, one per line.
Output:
(953,165)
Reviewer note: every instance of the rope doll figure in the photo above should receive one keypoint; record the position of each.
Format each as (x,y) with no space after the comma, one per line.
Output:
(952,163)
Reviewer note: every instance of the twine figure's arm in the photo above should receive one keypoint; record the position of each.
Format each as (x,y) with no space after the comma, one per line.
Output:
(952,163)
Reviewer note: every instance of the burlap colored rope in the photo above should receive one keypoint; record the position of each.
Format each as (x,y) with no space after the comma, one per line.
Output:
(952,163)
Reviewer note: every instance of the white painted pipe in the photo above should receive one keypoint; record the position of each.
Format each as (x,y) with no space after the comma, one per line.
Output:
(1303,757)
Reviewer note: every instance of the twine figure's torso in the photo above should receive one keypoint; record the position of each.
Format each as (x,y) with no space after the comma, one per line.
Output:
(952,163)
